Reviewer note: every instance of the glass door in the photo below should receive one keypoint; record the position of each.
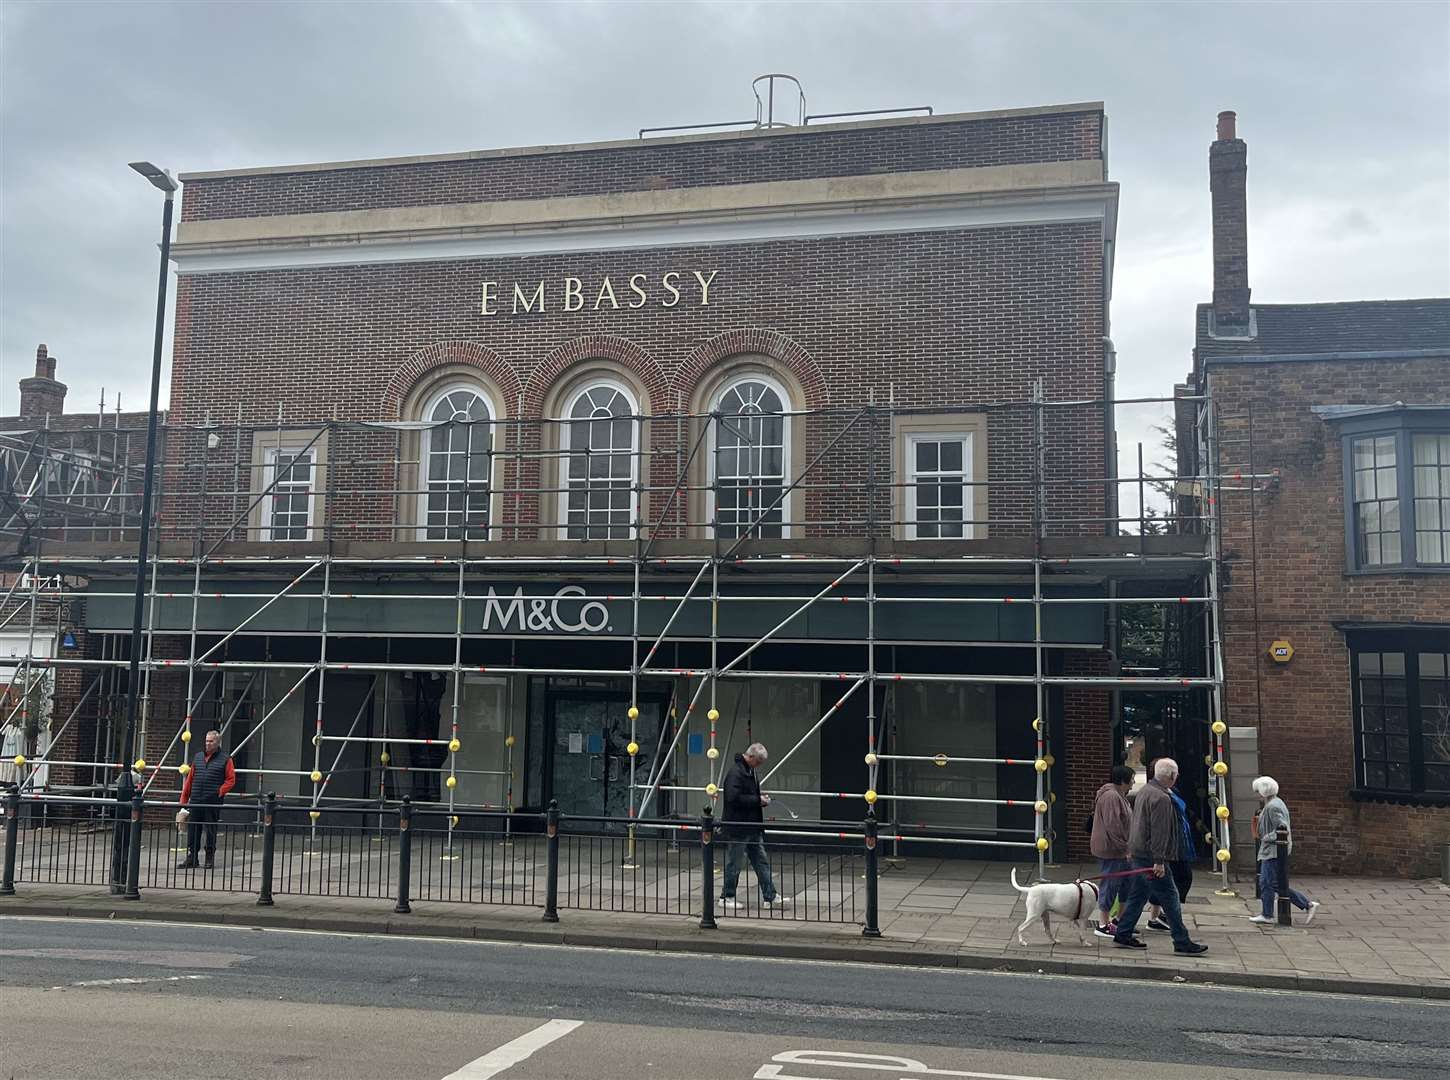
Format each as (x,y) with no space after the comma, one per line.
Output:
(589,740)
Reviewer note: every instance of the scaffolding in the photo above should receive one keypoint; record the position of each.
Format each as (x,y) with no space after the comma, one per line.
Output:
(274,534)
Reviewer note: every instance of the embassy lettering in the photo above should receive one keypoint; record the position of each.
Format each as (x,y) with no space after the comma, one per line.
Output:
(691,287)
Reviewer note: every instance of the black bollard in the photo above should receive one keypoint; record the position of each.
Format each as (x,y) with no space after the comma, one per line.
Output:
(269,848)
(405,854)
(551,880)
(120,836)
(707,864)
(872,928)
(1285,909)
(12,841)
(133,852)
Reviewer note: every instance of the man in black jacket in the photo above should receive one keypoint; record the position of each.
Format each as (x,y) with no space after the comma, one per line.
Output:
(742,822)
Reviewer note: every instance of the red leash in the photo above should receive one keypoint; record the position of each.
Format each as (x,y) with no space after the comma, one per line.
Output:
(1119,873)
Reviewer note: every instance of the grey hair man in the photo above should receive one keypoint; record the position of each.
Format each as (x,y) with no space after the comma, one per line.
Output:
(742,823)
(1154,839)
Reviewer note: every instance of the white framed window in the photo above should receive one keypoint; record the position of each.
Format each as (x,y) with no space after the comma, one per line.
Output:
(600,463)
(456,465)
(289,480)
(750,459)
(1432,497)
(939,502)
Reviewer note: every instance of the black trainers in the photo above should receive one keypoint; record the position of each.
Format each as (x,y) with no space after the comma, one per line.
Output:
(186,864)
(1104,930)
(1129,943)
(1159,925)
(1193,948)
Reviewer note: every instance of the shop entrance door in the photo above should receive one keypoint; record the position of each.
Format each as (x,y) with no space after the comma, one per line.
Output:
(588,742)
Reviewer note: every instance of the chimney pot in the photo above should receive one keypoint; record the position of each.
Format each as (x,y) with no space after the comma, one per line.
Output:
(1226,125)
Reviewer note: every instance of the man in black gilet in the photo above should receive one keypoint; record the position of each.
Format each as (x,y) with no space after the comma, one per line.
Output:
(212,775)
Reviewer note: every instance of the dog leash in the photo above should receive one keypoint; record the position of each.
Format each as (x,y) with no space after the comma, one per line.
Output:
(1119,873)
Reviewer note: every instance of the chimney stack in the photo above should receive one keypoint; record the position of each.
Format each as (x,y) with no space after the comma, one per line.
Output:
(1228,170)
(41,395)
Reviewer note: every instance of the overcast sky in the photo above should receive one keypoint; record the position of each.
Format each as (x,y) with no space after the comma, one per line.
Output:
(1345,108)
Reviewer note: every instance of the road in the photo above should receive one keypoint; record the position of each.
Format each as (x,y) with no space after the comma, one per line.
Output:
(82,998)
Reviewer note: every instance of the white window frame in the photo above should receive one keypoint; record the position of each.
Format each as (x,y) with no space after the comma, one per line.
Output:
(566,434)
(968,441)
(269,474)
(425,451)
(785,435)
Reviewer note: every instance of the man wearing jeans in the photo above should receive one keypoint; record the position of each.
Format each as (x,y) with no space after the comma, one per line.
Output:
(742,822)
(1112,822)
(1155,842)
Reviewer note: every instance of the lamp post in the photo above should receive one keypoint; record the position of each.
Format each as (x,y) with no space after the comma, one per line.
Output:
(161,180)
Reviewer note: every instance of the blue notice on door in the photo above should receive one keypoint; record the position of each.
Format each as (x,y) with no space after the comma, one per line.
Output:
(697,744)
(596,744)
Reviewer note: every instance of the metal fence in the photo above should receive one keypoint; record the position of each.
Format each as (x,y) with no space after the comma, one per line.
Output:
(402,854)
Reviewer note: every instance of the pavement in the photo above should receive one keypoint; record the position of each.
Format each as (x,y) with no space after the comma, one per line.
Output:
(1370,935)
(112,997)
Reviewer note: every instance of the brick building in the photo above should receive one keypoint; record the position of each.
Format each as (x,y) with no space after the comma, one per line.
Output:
(1341,549)
(793,434)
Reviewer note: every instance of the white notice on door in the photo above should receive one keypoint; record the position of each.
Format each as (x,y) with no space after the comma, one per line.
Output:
(576,742)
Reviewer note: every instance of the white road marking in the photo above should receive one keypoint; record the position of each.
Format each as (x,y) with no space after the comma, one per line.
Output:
(129,982)
(899,1067)
(516,1050)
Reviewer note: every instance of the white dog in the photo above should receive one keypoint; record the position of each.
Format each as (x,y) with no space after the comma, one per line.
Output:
(1074,901)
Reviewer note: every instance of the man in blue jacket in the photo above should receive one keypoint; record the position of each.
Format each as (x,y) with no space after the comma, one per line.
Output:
(742,822)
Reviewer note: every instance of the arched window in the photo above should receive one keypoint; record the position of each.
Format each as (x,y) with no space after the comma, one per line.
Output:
(749,459)
(457,465)
(600,444)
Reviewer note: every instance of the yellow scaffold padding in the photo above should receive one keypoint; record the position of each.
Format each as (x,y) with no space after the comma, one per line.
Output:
(1223,854)
(509,741)
(453,821)
(1042,843)
(1208,838)
(712,753)
(940,761)
(1040,806)
(140,764)
(1052,796)
(710,790)
(385,757)
(632,748)
(1220,768)
(1037,724)
(20,761)
(316,776)
(1040,764)
(451,782)
(633,713)
(1208,759)
(713,715)
(184,769)
(1222,813)
(314,814)
(870,797)
(186,736)
(1219,727)
(454,745)
(870,759)
(1050,759)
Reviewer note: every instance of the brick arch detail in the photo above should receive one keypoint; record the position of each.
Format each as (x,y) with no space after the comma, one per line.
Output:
(771,343)
(444,354)
(633,358)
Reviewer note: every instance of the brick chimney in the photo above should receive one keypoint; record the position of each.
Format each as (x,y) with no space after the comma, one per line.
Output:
(1228,170)
(41,395)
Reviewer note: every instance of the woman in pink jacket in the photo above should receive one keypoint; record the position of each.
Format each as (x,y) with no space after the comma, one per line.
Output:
(1112,816)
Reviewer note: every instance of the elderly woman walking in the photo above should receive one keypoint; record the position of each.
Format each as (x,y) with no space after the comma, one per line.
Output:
(1273,816)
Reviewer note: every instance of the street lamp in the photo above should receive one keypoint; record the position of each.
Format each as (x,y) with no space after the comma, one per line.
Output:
(161,180)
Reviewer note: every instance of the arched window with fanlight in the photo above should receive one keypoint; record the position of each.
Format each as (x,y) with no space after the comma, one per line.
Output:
(600,447)
(749,459)
(456,465)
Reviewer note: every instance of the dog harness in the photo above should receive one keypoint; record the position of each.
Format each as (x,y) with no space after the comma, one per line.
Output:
(1079,885)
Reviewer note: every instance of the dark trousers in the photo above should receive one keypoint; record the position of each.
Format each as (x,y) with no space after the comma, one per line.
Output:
(1161,891)
(204,816)
(1182,871)
(748,846)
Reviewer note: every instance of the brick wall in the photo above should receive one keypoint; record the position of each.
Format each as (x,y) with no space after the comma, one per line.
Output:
(1305,724)
(799,155)
(1087,730)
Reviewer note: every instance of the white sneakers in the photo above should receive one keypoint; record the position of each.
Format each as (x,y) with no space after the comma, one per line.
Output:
(729,902)
(778,902)
(1267,920)
(1313,907)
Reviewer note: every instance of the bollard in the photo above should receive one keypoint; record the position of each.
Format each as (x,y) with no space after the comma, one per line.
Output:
(12,841)
(120,835)
(551,880)
(707,864)
(873,924)
(1285,909)
(269,848)
(133,852)
(1258,880)
(405,854)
